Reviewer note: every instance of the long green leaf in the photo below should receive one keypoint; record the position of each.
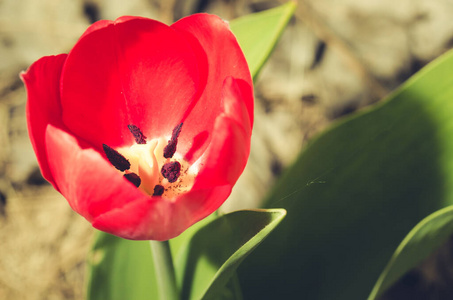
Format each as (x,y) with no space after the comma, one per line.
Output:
(426,237)
(216,250)
(121,269)
(356,191)
(258,33)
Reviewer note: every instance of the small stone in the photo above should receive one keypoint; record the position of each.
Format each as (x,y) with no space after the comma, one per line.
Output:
(2,204)
(35,177)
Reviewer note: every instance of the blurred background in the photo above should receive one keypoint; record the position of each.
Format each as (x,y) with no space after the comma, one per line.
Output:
(335,57)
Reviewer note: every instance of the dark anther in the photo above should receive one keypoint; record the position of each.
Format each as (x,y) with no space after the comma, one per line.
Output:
(176,131)
(171,171)
(170,149)
(116,159)
(140,138)
(133,178)
(158,190)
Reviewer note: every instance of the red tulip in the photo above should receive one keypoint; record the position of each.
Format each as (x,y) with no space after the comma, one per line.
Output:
(144,128)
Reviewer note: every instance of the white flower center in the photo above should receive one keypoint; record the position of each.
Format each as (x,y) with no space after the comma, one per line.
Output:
(147,161)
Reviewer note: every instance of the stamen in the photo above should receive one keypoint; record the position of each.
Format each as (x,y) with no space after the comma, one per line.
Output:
(170,149)
(176,131)
(158,190)
(171,171)
(140,138)
(133,178)
(116,159)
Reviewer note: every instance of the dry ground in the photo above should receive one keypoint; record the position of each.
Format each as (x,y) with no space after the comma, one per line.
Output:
(336,57)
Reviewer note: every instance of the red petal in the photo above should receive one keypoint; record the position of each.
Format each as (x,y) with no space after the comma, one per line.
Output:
(200,203)
(42,80)
(131,71)
(99,193)
(161,220)
(91,186)
(139,220)
(236,93)
(226,156)
(228,151)
(225,58)
(222,162)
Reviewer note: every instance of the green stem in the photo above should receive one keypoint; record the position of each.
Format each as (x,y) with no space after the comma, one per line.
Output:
(165,272)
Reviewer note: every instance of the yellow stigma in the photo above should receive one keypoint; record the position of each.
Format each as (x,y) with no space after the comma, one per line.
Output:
(147,160)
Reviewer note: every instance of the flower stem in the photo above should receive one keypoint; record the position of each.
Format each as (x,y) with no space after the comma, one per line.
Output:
(165,272)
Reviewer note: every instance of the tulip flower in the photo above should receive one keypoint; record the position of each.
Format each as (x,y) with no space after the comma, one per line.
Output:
(144,128)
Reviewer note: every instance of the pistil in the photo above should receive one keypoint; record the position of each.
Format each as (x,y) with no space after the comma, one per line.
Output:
(153,166)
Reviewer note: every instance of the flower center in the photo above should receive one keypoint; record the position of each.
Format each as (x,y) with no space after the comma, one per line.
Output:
(154,166)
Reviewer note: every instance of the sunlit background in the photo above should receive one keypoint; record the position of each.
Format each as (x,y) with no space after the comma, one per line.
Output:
(336,56)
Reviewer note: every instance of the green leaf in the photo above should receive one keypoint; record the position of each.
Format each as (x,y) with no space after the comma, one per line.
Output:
(120,269)
(124,269)
(355,193)
(215,251)
(179,243)
(208,252)
(258,33)
(426,237)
